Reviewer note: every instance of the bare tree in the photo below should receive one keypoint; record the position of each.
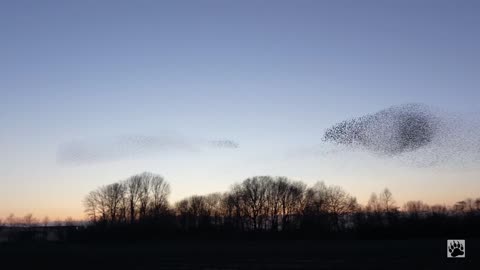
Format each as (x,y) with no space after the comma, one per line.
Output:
(128,201)
(46,221)
(182,210)
(29,220)
(373,205)
(257,203)
(438,209)
(469,205)
(339,202)
(386,201)
(92,206)
(328,205)
(232,207)
(316,199)
(193,211)
(291,199)
(11,220)
(477,204)
(160,190)
(113,195)
(254,195)
(460,207)
(57,222)
(69,222)
(273,202)
(133,186)
(213,203)
(144,195)
(416,208)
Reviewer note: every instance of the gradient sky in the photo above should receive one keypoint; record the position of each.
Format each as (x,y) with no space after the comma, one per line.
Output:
(270,75)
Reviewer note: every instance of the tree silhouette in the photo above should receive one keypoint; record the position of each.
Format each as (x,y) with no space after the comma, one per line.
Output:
(264,204)
(29,220)
(386,201)
(11,220)
(416,208)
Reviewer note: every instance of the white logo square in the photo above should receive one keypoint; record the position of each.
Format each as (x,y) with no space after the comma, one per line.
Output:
(456,248)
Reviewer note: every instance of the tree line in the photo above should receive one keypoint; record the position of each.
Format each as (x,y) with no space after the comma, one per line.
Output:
(29,220)
(269,204)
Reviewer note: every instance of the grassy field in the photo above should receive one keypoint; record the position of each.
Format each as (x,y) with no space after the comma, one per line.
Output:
(216,254)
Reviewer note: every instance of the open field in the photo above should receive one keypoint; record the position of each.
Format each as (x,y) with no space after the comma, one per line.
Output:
(222,254)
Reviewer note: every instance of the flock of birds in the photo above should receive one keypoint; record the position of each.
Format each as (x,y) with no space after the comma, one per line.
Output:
(413,133)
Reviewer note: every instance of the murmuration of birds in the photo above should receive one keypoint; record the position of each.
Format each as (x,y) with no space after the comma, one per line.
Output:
(414,133)
(132,146)
(390,131)
(224,144)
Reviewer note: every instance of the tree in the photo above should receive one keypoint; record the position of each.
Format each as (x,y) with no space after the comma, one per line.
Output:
(339,202)
(386,201)
(261,203)
(144,195)
(133,189)
(460,207)
(373,205)
(327,206)
(415,208)
(291,199)
(233,208)
(193,212)
(254,197)
(29,220)
(93,206)
(477,204)
(438,209)
(137,198)
(114,194)
(316,199)
(213,203)
(46,221)
(69,222)
(160,190)
(147,193)
(11,220)
(469,205)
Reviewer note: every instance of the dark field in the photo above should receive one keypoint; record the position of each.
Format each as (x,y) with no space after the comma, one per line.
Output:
(242,254)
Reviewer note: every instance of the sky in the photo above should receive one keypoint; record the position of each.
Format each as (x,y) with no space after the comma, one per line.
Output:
(270,76)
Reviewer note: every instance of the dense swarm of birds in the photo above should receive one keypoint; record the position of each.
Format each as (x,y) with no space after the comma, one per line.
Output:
(224,144)
(391,131)
(132,146)
(413,133)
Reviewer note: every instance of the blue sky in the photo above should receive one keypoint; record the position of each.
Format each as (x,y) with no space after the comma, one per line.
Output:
(270,75)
